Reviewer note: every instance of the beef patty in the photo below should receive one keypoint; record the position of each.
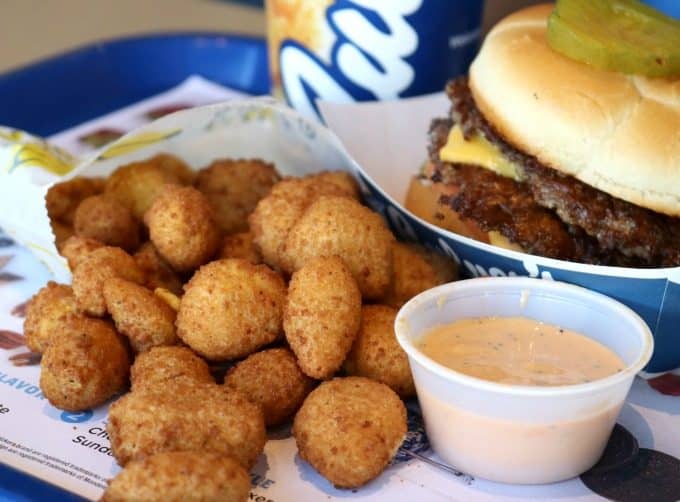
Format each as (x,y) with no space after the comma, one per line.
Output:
(547,212)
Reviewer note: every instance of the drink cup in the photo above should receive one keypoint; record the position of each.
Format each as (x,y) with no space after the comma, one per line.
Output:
(364,50)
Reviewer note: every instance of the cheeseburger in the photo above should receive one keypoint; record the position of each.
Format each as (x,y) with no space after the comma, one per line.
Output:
(551,156)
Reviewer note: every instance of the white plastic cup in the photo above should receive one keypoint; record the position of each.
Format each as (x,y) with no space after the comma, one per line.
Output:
(515,433)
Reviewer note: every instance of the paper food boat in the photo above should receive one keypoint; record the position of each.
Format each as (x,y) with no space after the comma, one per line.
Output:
(72,450)
(239,129)
(384,143)
(389,141)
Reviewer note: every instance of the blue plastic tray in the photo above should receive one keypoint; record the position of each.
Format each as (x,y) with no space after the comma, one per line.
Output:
(63,91)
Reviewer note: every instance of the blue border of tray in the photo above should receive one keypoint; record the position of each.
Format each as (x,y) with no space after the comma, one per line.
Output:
(19,486)
(65,90)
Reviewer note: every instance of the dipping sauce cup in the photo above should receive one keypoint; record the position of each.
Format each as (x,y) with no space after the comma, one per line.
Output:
(516,433)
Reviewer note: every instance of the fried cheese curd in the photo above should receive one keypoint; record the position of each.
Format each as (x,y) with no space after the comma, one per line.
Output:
(168,297)
(234,187)
(98,267)
(341,179)
(231,308)
(182,227)
(240,245)
(163,364)
(377,355)
(76,248)
(343,227)
(272,379)
(63,198)
(102,218)
(140,315)
(322,315)
(85,363)
(46,312)
(158,272)
(276,213)
(180,476)
(136,185)
(182,415)
(62,233)
(414,270)
(349,429)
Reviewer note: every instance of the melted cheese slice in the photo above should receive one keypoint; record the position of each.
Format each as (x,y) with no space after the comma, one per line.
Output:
(477,151)
(501,241)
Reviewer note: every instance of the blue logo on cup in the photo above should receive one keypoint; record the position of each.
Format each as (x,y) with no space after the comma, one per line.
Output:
(382,50)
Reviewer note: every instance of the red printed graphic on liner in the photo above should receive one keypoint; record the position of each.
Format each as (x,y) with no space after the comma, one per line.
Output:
(101,137)
(668,384)
(7,276)
(19,310)
(10,339)
(161,111)
(25,359)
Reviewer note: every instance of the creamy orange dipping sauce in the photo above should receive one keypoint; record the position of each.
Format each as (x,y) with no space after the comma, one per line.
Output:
(520,351)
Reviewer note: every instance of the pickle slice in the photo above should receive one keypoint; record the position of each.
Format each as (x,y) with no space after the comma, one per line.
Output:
(617,35)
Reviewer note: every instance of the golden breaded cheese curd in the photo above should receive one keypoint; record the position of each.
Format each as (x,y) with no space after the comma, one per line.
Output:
(377,355)
(146,320)
(76,248)
(240,245)
(102,218)
(84,365)
(168,297)
(182,227)
(343,227)
(276,213)
(272,379)
(322,315)
(63,198)
(46,312)
(159,274)
(62,233)
(234,187)
(136,185)
(231,308)
(342,179)
(414,270)
(186,476)
(162,364)
(176,166)
(349,429)
(182,415)
(270,223)
(97,268)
